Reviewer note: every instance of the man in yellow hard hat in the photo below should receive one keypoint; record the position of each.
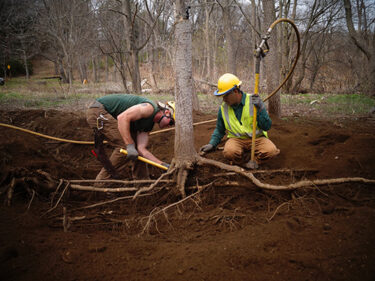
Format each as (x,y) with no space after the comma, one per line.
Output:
(126,120)
(236,117)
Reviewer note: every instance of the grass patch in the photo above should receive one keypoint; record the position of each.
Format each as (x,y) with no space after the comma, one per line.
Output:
(50,93)
(350,104)
(338,104)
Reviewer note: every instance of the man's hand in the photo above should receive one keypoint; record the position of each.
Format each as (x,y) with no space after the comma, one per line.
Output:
(132,152)
(257,101)
(206,148)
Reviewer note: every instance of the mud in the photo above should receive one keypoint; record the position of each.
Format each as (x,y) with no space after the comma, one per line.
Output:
(231,231)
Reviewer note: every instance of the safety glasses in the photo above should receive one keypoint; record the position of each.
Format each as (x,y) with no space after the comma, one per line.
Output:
(171,121)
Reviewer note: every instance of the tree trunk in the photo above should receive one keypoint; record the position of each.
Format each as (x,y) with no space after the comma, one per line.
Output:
(131,45)
(152,62)
(62,72)
(80,71)
(97,64)
(95,74)
(231,58)
(135,74)
(184,150)
(82,68)
(106,69)
(207,46)
(25,63)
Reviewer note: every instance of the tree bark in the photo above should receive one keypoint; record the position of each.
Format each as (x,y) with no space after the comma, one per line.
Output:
(184,138)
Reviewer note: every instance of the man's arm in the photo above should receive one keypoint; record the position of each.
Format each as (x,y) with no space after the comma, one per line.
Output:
(142,142)
(132,114)
(263,119)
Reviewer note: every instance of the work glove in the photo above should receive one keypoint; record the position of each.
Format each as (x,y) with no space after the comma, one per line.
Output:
(132,152)
(206,148)
(165,165)
(257,101)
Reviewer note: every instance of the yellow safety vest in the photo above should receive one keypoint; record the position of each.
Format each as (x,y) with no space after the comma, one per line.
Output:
(234,127)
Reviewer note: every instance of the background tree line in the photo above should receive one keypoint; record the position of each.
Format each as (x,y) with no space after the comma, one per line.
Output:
(103,40)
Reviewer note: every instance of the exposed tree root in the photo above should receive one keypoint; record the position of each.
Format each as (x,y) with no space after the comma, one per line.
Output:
(10,192)
(292,186)
(102,189)
(142,190)
(228,219)
(44,181)
(124,182)
(272,172)
(152,216)
(58,201)
(181,180)
(183,168)
(31,200)
(277,209)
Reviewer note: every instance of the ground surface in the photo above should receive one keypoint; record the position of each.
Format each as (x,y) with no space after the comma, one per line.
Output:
(232,231)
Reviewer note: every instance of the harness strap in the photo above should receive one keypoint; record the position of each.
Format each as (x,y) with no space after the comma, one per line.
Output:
(102,156)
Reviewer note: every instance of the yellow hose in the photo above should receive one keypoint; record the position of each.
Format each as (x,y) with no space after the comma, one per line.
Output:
(297,54)
(86,142)
(45,136)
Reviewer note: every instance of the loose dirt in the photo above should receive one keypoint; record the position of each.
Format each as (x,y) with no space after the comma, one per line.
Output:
(231,231)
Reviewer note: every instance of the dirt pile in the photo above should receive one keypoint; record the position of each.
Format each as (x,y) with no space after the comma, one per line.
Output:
(232,231)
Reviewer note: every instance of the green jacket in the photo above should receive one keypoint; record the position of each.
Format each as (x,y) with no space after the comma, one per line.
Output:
(115,104)
(264,122)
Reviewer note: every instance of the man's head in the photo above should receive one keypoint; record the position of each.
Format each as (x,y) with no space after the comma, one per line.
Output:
(228,87)
(166,116)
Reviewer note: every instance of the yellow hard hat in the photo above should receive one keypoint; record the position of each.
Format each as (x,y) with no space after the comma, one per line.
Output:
(172,108)
(226,83)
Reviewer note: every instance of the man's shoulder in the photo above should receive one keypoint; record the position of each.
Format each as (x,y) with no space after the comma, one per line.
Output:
(111,97)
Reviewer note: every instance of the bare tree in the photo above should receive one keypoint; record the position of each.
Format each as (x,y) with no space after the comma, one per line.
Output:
(314,15)
(65,27)
(227,10)
(112,38)
(127,42)
(129,25)
(17,38)
(363,37)
(184,150)
(160,13)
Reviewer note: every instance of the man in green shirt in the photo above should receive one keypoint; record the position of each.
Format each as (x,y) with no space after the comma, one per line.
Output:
(236,117)
(126,121)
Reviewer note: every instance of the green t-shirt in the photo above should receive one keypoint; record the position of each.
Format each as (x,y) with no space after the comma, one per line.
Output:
(115,104)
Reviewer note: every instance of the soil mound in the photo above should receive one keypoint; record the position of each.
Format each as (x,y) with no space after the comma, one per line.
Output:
(232,231)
